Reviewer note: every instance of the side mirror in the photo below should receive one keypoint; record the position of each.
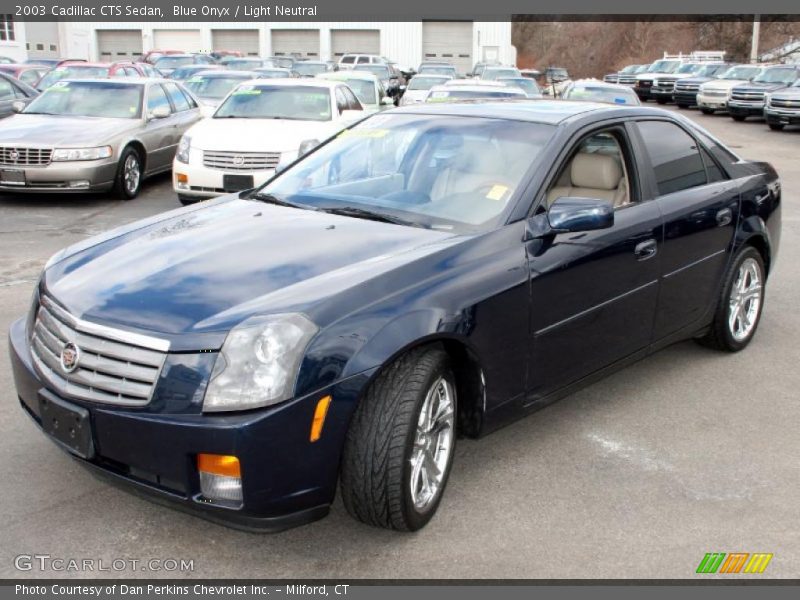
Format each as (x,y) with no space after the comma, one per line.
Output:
(572,215)
(387,101)
(18,106)
(160,112)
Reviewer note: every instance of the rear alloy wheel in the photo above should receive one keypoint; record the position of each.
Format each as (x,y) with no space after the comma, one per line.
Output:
(740,303)
(776,126)
(399,448)
(129,175)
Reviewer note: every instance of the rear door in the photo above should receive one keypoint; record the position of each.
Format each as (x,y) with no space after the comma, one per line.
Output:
(159,135)
(700,207)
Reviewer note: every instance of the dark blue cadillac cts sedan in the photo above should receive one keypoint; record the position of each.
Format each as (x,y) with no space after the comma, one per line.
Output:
(432,272)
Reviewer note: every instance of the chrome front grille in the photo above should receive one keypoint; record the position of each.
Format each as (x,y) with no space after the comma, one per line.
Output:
(20,156)
(715,93)
(747,96)
(687,87)
(112,366)
(241,161)
(611,78)
(626,80)
(784,103)
(664,85)
(645,83)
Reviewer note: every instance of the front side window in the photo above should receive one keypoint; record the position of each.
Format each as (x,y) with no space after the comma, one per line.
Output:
(674,156)
(445,172)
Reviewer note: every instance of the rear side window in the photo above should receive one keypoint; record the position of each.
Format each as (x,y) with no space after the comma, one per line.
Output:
(341,100)
(674,155)
(352,101)
(156,98)
(178,99)
(347,60)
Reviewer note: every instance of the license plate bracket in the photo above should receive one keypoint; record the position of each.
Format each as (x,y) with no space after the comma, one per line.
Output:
(237,183)
(12,176)
(67,424)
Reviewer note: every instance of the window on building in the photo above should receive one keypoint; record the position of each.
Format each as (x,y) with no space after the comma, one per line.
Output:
(7,28)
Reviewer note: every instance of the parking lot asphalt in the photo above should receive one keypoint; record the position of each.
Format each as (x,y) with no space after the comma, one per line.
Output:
(689,451)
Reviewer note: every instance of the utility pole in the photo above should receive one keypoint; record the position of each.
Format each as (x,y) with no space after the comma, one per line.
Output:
(754,43)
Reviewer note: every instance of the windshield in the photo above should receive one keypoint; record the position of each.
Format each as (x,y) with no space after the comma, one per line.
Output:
(302,103)
(89,99)
(311,69)
(215,87)
(709,70)
(460,94)
(601,94)
(526,85)
(687,69)
(76,72)
(420,82)
(184,72)
(272,74)
(664,66)
(173,62)
(786,76)
(245,64)
(379,70)
(629,69)
(495,73)
(743,72)
(364,90)
(440,70)
(444,172)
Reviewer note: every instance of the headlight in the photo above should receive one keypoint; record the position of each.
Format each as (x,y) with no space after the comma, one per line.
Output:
(258,363)
(307,146)
(30,321)
(82,153)
(182,155)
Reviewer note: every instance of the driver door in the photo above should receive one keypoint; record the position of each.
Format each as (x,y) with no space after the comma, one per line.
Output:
(593,293)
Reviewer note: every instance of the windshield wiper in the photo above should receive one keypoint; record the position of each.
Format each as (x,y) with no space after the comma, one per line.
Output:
(272,199)
(363,213)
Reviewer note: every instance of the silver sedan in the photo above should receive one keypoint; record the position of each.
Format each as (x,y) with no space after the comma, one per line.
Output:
(95,135)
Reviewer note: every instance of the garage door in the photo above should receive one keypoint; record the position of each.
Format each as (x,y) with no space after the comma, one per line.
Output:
(119,44)
(303,43)
(187,40)
(244,40)
(355,41)
(450,41)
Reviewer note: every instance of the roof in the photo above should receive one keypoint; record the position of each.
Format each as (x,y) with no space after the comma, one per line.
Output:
(295,82)
(345,75)
(83,63)
(552,112)
(129,80)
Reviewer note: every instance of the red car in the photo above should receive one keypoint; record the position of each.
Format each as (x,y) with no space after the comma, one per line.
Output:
(89,70)
(151,56)
(29,74)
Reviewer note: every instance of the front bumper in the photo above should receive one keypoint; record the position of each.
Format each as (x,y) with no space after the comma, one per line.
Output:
(745,109)
(203,182)
(61,177)
(659,94)
(782,116)
(685,98)
(644,93)
(713,102)
(287,480)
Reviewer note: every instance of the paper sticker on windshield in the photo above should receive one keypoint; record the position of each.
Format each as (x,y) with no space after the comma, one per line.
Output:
(195,80)
(364,133)
(497,192)
(246,90)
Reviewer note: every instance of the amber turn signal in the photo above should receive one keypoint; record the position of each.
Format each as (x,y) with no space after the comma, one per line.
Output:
(319,418)
(219,464)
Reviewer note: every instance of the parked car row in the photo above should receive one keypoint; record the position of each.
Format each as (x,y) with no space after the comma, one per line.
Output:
(769,91)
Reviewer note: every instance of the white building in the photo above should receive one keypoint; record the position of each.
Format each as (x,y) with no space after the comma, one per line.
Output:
(12,39)
(461,42)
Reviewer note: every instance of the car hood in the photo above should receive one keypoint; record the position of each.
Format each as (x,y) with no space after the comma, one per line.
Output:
(259,135)
(791,93)
(696,79)
(760,87)
(67,131)
(204,269)
(724,84)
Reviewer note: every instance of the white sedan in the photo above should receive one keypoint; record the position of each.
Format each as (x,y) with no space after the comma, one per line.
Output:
(261,124)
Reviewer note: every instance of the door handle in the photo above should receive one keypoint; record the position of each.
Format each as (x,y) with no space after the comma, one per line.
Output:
(646,249)
(724,217)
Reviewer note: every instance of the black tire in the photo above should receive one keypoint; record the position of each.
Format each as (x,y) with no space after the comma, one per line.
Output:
(739,118)
(661,100)
(376,464)
(706,111)
(719,336)
(188,200)
(122,187)
(776,126)
(684,105)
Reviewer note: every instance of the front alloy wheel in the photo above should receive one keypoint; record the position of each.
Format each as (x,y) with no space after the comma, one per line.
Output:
(400,444)
(129,175)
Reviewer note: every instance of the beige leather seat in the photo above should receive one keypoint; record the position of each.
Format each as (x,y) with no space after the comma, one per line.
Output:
(594,176)
(477,164)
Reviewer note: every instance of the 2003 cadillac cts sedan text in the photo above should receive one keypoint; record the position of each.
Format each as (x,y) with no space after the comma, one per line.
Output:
(431,271)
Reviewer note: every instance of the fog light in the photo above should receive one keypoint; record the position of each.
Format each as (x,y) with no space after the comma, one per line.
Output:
(81,183)
(220,478)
